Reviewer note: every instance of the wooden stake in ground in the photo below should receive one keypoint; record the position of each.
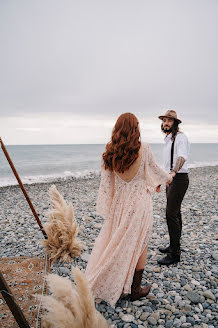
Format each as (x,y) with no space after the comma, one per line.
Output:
(22,188)
(12,304)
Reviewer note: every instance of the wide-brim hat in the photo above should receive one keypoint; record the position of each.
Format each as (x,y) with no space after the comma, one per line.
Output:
(170,114)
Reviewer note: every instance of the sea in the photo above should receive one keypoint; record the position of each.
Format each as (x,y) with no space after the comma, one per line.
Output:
(47,163)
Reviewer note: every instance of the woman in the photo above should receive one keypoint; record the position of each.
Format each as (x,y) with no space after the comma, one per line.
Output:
(129,175)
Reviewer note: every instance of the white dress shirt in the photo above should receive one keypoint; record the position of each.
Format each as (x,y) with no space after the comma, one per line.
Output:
(181,148)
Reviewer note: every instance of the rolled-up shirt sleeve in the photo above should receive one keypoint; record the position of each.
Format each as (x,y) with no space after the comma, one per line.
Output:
(182,147)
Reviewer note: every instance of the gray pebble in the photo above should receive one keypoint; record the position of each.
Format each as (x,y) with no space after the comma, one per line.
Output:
(64,270)
(193,297)
(152,320)
(169,323)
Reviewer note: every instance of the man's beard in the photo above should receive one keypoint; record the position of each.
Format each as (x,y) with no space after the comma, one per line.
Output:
(167,130)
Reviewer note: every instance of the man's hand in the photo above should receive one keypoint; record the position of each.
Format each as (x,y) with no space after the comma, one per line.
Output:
(158,188)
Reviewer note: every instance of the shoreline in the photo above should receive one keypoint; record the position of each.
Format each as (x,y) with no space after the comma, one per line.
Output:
(181,296)
(92,174)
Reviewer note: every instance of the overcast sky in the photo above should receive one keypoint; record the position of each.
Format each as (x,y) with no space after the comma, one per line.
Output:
(68,69)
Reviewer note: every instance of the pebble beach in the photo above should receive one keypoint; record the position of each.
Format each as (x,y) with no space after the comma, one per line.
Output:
(182,295)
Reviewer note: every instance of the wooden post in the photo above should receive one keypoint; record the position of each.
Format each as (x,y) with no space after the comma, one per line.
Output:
(12,304)
(22,188)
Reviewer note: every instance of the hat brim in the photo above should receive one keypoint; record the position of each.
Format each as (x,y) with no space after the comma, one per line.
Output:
(176,119)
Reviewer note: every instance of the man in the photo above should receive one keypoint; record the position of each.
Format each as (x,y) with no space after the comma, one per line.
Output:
(176,151)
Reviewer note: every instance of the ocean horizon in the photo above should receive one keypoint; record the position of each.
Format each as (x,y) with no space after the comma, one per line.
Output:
(47,163)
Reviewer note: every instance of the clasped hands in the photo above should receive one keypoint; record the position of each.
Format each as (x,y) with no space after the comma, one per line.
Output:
(172,175)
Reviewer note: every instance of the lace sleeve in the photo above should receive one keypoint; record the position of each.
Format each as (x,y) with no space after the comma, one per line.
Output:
(154,174)
(105,192)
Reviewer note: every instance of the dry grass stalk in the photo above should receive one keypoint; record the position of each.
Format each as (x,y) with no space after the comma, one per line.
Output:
(62,230)
(70,305)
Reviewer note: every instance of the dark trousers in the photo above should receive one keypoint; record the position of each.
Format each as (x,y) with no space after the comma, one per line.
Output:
(175,194)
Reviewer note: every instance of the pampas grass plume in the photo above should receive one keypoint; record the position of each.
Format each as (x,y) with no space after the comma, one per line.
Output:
(62,230)
(70,305)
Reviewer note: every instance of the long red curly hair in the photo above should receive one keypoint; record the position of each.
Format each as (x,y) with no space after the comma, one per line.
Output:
(123,148)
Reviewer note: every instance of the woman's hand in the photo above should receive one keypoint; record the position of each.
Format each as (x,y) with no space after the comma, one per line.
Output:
(158,188)
(172,175)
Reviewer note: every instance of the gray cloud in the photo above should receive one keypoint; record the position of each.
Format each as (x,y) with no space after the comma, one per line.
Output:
(109,57)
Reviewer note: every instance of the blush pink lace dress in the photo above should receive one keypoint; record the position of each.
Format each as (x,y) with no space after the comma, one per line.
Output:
(127,209)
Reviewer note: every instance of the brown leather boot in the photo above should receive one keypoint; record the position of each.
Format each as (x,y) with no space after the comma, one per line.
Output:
(137,291)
